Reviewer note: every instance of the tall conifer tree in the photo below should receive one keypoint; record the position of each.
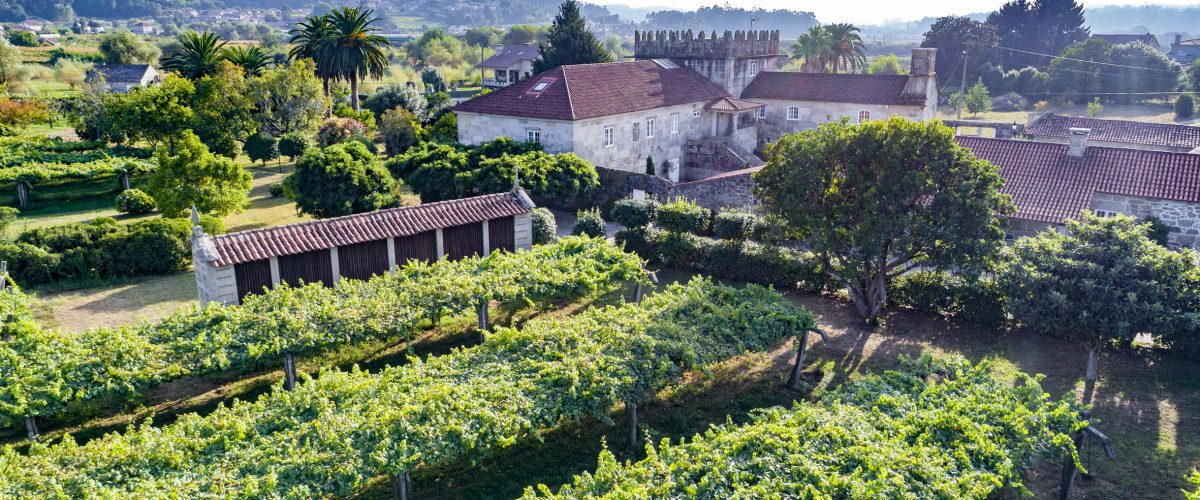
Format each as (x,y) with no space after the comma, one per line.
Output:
(570,42)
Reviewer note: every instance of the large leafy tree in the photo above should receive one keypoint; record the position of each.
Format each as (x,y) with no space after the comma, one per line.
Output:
(342,179)
(1026,30)
(156,113)
(224,110)
(197,55)
(954,35)
(194,176)
(306,39)
(289,99)
(846,48)
(1102,282)
(812,47)
(124,47)
(1154,72)
(352,49)
(876,200)
(1076,79)
(570,41)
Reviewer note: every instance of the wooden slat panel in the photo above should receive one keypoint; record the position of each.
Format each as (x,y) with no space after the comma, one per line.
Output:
(422,247)
(463,241)
(363,260)
(252,277)
(309,267)
(500,235)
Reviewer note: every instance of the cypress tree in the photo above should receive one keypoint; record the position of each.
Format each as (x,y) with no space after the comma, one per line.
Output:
(570,42)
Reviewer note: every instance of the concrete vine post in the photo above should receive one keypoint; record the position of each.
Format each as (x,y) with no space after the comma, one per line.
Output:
(483,319)
(31,428)
(22,195)
(794,380)
(289,371)
(631,411)
(401,486)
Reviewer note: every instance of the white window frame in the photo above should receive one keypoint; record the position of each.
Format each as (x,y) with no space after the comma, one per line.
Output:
(862,118)
(532,135)
(674,123)
(610,136)
(650,128)
(793,113)
(695,113)
(753,68)
(762,112)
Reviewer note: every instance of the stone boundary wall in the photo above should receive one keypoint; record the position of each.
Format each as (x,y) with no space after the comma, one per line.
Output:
(730,190)
(1182,217)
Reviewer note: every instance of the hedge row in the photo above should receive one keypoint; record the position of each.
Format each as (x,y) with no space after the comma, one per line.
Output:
(44,370)
(974,299)
(899,435)
(102,248)
(331,435)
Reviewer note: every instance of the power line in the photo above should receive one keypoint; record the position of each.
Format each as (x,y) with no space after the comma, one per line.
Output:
(1082,60)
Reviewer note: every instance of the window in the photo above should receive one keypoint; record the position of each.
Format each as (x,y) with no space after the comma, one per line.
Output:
(637,131)
(610,136)
(675,124)
(695,113)
(762,112)
(863,116)
(533,135)
(1106,213)
(793,113)
(649,127)
(541,85)
(753,68)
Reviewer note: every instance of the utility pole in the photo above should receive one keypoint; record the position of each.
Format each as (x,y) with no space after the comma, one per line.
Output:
(962,91)
(481,68)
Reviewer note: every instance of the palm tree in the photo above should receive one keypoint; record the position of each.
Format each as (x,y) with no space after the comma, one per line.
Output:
(846,47)
(253,60)
(813,48)
(352,50)
(198,55)
(306,40)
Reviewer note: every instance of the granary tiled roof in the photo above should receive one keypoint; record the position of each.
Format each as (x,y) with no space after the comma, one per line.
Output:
(259,244)
(585,91)
(732,105)
(826,87)
(512,54)
(1049,185)
(1155,134)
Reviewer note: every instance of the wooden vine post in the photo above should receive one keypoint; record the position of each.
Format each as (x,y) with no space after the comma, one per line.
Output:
(631,412)
(401,486)
(794,380)
(289,371)
(123,180)
(483,319)
(1069,467)
(22,195)
(639,290)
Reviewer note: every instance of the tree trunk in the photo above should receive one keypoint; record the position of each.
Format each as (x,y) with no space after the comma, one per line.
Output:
(401,486)
(869,295)
(354,92)
(794,380)
(1089,384)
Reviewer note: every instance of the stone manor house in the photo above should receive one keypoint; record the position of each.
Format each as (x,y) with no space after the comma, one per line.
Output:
(698,105)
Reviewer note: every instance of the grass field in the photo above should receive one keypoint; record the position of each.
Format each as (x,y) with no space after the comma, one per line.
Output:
(1146,401)
(1147,112)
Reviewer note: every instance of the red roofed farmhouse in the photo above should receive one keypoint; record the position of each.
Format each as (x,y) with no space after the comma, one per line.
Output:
(696,105)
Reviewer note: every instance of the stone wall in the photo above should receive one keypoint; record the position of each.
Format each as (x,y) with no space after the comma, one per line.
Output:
(1182,217)
(812,114)
(1021,228)
(628,153)
(729,190)
(557,136)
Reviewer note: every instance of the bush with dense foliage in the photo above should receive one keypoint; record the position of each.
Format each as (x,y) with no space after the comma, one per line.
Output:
(545,227)
(902,434)
(633,213)
(135,201)
(1185,106)
(293,144)
(400,131)
(735,225)
(192,176)
(337,130)
(682,216)
(342,179)
(974,299)
(508,389)
(589,223)
(442,172)
(445,129)
(1011,101)
(261,147)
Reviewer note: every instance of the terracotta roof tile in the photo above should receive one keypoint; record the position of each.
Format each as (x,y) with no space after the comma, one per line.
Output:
(587,91)
(730,104)
(259,244)
(825,87)
(1155,134)
(1048,185)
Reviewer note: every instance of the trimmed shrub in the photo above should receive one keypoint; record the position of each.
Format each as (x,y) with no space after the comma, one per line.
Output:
(639,240)
(682,216)
(633,213)
(765,265)
(734,225)
(544,226)
(682,250)
(339,180)
(277,190)
(135,201)
(977,300)
(1185,106)
(338,130)
(589,223)
(29,264)
(769,229)
(1011,101)
(261,147)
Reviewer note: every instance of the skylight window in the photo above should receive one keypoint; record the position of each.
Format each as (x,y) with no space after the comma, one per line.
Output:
(541,86)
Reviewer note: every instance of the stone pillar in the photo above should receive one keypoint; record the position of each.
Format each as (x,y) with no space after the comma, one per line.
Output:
(487,244)
(337,268)
(274,271)
(391,246)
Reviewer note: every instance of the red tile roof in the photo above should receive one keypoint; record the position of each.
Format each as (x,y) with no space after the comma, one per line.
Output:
(826,87)
(1048,185)
(259,244)
(1155,134)
(587,91)
(730,104)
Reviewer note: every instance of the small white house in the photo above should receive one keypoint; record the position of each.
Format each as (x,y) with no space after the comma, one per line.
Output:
(511,64)
(125,77)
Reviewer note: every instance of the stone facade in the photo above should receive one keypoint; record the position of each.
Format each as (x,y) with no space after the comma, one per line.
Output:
(1021,228)
(729,190)
(776,123)
(731,60)
(1183,218)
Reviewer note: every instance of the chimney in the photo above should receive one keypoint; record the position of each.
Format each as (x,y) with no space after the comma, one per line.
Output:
(922,62)
(1079,140)
(1178,38)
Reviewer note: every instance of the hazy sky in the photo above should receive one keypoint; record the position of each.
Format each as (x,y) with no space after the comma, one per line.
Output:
(869,11)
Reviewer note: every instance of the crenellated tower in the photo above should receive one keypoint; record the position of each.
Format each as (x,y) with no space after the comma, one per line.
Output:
(730,60)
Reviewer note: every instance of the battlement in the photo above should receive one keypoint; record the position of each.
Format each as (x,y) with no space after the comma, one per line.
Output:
(686,45)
